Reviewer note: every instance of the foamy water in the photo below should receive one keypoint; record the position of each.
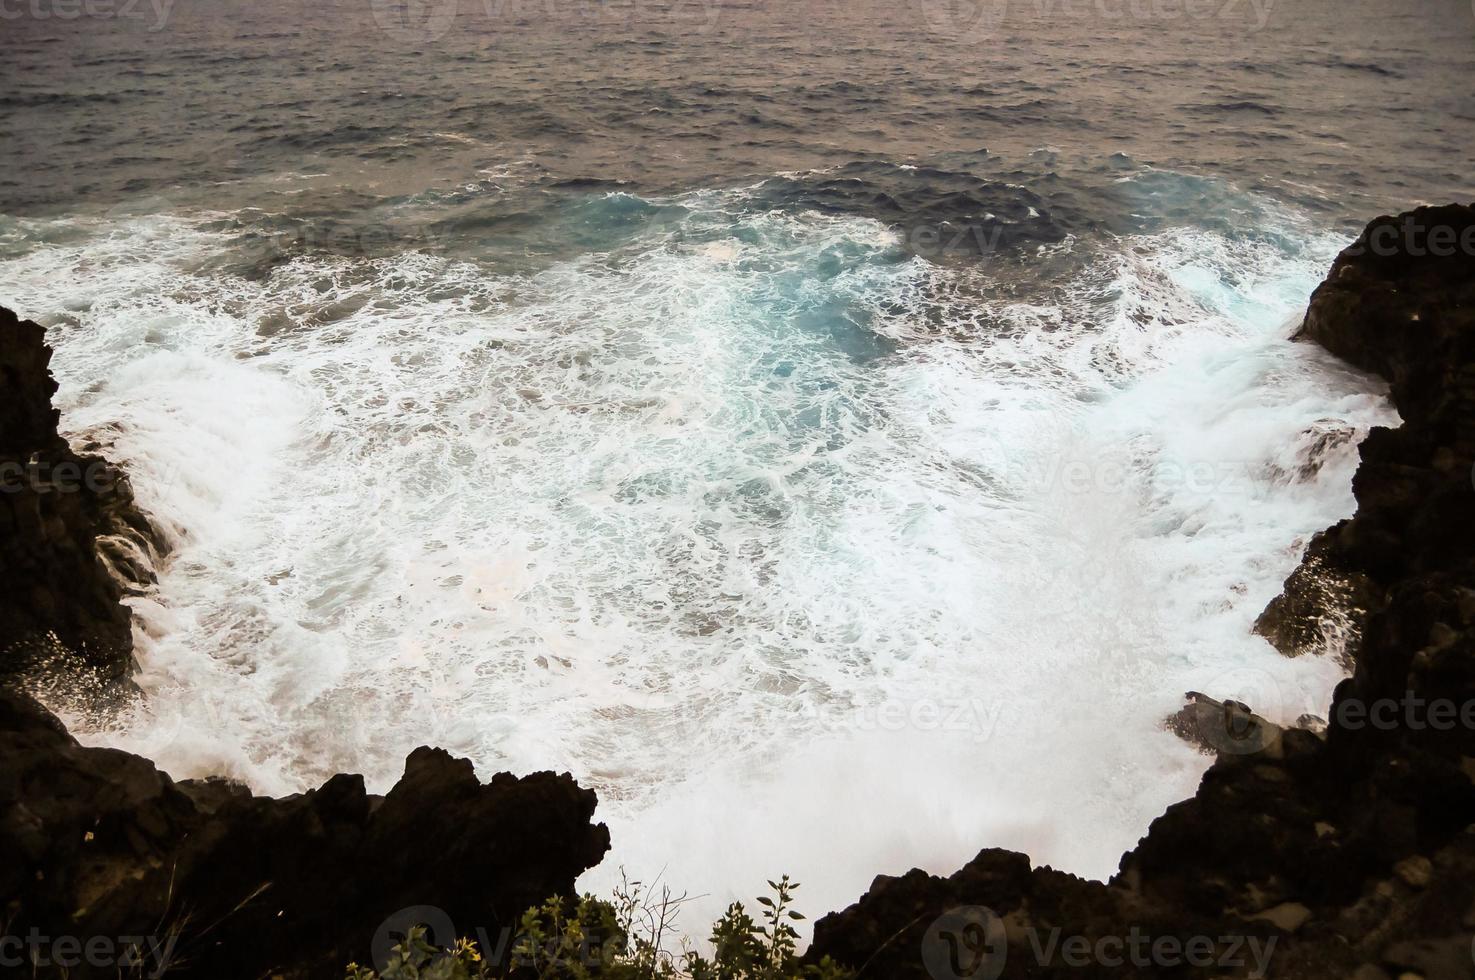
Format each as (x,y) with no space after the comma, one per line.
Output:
(809,555)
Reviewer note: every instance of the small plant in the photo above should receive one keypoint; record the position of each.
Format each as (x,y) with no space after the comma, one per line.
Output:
(417,959)
(644,921)
(743,949)
(568,941)
(591,939)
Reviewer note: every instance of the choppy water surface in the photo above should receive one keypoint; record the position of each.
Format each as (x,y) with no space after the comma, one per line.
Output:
(837,433)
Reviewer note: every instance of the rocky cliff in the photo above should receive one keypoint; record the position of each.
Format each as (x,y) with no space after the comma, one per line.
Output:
(71,537)
(205,880)
(1346,854)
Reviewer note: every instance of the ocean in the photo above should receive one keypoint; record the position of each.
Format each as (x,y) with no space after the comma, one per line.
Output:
(838,433)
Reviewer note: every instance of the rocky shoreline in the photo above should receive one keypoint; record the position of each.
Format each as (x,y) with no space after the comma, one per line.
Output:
(72,540)
(1348,851)
(1354,851)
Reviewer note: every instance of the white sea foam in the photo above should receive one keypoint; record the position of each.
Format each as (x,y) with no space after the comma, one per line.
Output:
(809,558)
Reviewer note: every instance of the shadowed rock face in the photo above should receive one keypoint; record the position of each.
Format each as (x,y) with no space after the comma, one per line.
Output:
(1397,303)
(99,843)
(209,880)
(70,534)
(1350,851)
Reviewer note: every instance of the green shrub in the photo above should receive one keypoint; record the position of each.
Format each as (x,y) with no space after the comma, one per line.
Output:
(416,959)
(623,939)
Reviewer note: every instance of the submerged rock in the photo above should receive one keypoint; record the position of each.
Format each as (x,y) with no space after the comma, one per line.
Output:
(1224,726)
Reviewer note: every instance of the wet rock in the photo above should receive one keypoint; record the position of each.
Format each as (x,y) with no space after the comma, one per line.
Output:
(1415,871)
(98,843)
(71,538)
(1224,727)
(1353,850)
(1287,916)
(202,878)
(1321,607)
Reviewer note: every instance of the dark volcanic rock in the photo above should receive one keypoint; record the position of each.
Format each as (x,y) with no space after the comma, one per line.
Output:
(97,843)
(100,852)
(1397,303)
(69,533)
(1224,726)
(1353,853)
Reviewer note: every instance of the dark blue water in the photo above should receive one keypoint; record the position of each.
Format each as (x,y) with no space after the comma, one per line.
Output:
(390,114)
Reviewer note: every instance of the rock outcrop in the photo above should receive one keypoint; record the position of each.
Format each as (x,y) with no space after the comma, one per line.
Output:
(110,868)
(1348,853)
(209,881)
(1396,303)
(70,534)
